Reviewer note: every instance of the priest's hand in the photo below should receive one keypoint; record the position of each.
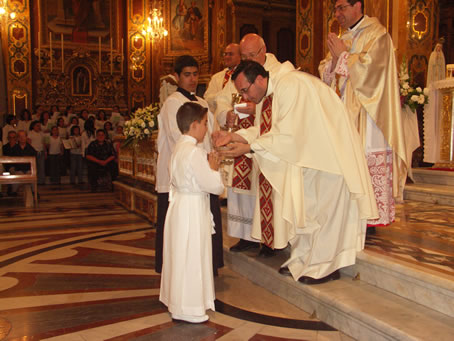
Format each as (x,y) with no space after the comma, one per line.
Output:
(235,149)
(336,45)
(248,109)
(221,138)
(230,119)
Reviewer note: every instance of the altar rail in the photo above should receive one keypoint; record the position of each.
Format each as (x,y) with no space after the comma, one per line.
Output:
(135,188)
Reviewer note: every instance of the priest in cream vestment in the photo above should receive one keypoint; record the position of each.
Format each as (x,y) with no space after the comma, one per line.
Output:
(312,157)
(361,67)
(243,179)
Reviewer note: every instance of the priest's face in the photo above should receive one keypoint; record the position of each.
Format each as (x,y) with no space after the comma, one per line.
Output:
(252,92)
(347,14)
(232,55)
(188,78)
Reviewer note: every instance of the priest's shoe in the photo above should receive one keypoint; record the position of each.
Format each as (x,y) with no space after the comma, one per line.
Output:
(285,271)
(190,318)
(244,245)
(266,252)
(309,280)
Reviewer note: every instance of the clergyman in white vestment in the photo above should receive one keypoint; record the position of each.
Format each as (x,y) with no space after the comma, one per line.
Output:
(313,159)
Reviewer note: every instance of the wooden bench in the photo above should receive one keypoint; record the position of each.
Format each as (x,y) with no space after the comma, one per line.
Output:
(29,178)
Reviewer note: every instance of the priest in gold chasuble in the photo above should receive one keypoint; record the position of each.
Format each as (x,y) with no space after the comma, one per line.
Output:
(361,67)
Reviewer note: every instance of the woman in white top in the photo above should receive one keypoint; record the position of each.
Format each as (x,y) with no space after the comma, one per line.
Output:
(25,120)
(55,154)
(46,122)
(62,131)
(88,135)
(36,138)
(76,156)
(54,112)
(100,120)
(83,117)
(11,125)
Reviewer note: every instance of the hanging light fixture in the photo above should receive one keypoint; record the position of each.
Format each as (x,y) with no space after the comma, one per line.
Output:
(154,27)
(4,10)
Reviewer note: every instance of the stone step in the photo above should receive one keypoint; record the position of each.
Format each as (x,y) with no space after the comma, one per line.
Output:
(432,193)
(362,308)
(428,176)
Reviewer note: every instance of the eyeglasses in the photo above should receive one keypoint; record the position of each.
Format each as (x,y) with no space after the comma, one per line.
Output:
(245,90)
(341,8)
(227,54)
(251,55)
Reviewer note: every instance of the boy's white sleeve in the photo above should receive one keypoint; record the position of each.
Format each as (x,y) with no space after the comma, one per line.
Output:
(207,179)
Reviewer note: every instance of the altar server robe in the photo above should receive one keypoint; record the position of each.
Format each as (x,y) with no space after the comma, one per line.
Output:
(187,286)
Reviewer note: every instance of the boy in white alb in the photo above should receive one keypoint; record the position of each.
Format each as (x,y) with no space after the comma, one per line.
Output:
(187,285)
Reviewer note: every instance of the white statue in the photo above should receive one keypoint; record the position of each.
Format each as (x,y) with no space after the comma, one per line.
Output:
(437,65)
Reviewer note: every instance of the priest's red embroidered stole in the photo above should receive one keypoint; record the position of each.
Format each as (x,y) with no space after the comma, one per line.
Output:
(242,165)
(227,75)
(265,189)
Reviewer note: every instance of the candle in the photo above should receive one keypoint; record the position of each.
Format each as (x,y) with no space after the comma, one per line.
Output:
(111,57)
(50,50)
(62,55)
(122,61)
(39,51)
(99,54)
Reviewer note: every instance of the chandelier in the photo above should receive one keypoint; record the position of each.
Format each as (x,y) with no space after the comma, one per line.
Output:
(4,10)
(154,27)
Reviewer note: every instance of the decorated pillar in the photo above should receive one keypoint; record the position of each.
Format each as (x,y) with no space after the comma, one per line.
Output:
(137,53)
(16,40)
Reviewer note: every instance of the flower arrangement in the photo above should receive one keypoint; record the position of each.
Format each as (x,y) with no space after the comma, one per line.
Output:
(411,96)
(141,125)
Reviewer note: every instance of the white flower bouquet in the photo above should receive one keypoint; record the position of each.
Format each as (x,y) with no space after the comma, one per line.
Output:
(409,95)
(141,125)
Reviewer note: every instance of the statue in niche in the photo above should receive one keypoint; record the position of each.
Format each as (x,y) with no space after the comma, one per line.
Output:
(436,70)
(81,81)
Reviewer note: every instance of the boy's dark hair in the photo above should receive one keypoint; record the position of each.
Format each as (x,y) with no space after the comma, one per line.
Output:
(184,61)
(189,112)
(251,70)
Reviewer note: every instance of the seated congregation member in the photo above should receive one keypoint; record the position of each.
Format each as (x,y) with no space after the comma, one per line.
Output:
(187,285)
(22,148)
(25,120)
(320,191)
(100,161)
(76,156)
(55,154)
(11,125)
(36,137)
(8,150)
(187,74)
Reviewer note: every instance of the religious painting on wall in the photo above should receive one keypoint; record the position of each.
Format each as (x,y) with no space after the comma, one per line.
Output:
(81,22)
(188,26)
(81,81)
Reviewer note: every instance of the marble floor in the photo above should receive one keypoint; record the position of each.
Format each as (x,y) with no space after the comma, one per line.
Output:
(79,267)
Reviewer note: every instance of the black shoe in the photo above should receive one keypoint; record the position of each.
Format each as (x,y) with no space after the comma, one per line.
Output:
(371,230)
(244,245)
(285,271)
(309,280)
(266,252)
